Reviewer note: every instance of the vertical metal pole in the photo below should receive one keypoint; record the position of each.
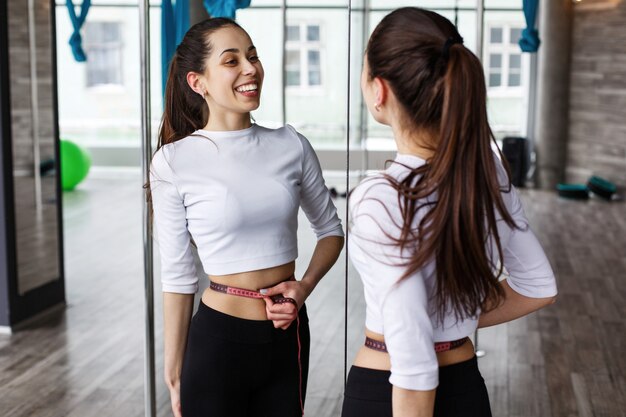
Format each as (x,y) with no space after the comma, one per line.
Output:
(146,150)
(480,29)
(531,116)
(345,322)
(283,82)
(34,105)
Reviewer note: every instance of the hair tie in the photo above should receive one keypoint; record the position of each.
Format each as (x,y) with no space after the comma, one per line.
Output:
(449,42)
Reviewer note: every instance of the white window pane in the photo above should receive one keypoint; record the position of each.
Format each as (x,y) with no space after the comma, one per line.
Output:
(293,59)
(515,80)
(315,78)
(516,34)
(110,32)
(102,32)
(104,53)
(515,61)
(495,35)
(495,80)
(293,78)
(495,60)
(293,33)
(314,58)
(313,33)
(92,32)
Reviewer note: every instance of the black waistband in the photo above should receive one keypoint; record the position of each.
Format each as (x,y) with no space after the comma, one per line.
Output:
(220,325)
(373,384)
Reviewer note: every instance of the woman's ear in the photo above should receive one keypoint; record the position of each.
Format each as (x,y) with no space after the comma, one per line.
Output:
(381,91)
(195,83)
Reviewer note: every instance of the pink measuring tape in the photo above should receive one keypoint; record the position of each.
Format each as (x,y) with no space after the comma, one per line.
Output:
(242,292)
(439,346)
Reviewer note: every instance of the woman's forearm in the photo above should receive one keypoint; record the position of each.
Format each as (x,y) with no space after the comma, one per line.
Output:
(514,306)
(409,403)
(177,309)
(325,255)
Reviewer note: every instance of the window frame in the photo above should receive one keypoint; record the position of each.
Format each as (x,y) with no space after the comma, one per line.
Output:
(505,50)
(304,46)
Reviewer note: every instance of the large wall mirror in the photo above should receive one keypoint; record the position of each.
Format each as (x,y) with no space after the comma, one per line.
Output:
(34,150)
(34,216)
(318,92)
(312,53)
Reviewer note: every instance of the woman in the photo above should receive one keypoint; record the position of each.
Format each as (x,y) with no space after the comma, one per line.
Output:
(428,233)
(233,189)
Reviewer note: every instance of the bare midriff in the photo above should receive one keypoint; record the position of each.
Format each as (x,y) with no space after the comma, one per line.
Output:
(246,308)
(373,359)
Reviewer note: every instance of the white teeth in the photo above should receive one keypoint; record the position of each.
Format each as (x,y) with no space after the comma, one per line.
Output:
(247,87)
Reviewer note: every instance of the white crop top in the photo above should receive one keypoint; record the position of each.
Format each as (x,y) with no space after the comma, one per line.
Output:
(400,311)
(237,194)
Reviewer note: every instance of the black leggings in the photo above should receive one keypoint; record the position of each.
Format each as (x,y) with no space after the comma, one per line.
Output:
(461,392)
(238,368)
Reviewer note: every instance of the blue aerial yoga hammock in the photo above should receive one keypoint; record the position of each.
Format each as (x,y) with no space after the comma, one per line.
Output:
(530,36)
(225,8)
(77,23)
(174,25)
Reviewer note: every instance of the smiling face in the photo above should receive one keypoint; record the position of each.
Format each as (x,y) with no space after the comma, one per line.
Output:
(233,76)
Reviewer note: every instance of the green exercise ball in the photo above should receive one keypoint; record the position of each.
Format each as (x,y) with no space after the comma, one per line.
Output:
(75,164)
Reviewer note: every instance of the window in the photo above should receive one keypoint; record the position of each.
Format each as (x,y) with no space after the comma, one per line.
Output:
(103,46)
(504,57)
(303,63)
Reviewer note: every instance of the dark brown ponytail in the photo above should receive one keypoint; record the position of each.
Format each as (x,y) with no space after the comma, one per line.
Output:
(440,84)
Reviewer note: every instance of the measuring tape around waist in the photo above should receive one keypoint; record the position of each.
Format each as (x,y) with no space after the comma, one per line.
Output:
(439,346)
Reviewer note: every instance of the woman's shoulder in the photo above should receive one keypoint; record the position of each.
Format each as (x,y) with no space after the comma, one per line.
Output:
(286,132)
(375,184)
(289,134)
(187,144)
(282,132)
(176,153)
(169,149)
(374,196)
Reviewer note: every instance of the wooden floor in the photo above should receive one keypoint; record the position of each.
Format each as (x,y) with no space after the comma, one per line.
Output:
(87,360)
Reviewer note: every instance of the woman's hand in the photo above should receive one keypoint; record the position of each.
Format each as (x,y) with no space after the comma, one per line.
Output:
(282,314)
(175,400)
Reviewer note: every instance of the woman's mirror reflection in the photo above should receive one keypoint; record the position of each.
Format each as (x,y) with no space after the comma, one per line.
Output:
(234,188)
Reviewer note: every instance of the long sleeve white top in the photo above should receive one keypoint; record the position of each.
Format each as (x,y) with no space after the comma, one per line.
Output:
(237,195)
(401,310)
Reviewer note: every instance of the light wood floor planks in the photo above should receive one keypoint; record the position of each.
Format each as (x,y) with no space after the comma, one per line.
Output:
(567,360)
(87,360)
